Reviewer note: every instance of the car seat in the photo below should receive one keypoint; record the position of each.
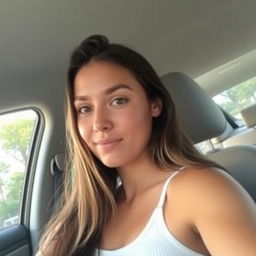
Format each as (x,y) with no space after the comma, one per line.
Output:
(202,119)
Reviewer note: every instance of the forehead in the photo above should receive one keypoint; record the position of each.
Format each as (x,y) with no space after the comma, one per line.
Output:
(97,76)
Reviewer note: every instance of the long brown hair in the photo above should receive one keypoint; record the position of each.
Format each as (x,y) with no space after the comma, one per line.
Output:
(89,197)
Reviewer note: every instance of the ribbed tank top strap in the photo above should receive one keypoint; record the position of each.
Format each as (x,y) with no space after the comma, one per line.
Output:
(165,186)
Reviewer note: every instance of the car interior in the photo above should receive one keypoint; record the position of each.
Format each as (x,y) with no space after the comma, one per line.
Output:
(203,51)
(205,120)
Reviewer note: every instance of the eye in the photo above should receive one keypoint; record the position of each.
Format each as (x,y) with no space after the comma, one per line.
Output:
(119,101)
(83,110)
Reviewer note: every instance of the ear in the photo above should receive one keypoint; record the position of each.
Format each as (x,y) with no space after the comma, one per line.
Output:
(156,107)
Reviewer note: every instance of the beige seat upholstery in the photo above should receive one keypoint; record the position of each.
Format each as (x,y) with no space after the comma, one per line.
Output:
(202,120)
(248,134)
(246,137)
(249,115)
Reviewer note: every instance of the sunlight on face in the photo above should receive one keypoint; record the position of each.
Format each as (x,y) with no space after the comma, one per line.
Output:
(114,113)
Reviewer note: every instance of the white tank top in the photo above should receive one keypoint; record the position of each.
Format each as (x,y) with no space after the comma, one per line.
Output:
(155,239)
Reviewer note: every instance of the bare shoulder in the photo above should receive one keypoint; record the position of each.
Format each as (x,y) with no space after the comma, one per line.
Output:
(218,207)
(203,192)
(196,175)
(208,183)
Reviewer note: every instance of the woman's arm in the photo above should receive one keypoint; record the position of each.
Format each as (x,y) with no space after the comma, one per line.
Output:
(221,210)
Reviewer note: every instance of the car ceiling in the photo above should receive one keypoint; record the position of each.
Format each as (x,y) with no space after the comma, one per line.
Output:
(194,37)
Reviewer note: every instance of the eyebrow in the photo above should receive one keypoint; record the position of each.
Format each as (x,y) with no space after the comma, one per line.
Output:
(107,91)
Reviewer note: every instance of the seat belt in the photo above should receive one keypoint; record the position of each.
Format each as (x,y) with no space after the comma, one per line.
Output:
(57,168)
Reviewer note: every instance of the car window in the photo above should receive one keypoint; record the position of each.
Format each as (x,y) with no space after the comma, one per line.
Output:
(16,135)
(238,97)
(232,101)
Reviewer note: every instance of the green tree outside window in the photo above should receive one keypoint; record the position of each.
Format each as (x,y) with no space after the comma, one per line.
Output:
(16,135)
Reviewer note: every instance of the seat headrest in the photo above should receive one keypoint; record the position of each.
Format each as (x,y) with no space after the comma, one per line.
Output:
(249,115)
(200,117)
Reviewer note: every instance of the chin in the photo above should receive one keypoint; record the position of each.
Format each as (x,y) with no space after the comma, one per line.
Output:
(112,162)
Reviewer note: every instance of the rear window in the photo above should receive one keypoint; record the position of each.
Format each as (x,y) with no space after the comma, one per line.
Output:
(238,97)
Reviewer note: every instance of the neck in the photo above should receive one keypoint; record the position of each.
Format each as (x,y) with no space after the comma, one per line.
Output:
(139,176)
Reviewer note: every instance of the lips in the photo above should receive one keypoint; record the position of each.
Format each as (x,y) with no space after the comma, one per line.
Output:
(107,143)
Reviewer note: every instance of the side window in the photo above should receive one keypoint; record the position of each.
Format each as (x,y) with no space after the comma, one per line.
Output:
(204,147)
(238,97)
(16,136)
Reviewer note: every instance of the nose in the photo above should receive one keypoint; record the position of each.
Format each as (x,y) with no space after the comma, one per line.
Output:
(102,122)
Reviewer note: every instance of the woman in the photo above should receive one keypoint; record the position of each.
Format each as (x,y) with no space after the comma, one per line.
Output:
(122,124)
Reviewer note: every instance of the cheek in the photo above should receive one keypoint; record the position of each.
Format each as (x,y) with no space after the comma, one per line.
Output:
(137,122)
(83,130)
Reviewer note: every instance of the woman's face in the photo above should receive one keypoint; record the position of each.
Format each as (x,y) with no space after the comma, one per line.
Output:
(114,114)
